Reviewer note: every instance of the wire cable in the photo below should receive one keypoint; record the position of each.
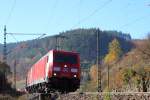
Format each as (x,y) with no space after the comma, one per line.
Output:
(134,21)
(79,10)
(51,15)
(27,34)
(93,13)
(14,38)
(11,11)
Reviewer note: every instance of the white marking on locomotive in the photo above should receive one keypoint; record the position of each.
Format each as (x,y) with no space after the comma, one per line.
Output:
(47,66)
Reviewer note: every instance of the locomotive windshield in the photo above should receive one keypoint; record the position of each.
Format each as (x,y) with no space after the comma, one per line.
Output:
(65,58)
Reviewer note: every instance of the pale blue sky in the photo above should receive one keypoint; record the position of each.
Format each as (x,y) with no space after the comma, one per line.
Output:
(54,16)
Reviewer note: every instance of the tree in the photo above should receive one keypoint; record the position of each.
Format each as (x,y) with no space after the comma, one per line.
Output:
(139,73)
(140,77)
(143,78)
(4,68)
(114,53)
(4,71)
(112,57)
(143,71)
(145,50)
(128,76)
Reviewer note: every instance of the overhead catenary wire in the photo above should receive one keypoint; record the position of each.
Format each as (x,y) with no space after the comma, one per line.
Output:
(41,36)
(5,44)
(134,21)
(51,15)
(27,33)
(14,37)
(93,13)
(10,13)
(79,10)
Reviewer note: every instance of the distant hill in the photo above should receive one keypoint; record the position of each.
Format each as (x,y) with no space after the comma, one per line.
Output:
(138,42)
(80,40)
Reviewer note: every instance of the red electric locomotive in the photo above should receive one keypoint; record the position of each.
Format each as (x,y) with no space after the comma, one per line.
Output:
(57,70)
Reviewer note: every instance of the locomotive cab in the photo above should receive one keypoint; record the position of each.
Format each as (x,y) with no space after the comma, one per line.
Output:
(65,70)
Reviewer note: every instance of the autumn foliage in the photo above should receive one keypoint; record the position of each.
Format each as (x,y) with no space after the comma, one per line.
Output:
(94,73)
(114,52)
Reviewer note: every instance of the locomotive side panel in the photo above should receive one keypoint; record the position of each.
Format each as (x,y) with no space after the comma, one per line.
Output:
(40,70)
(37,72)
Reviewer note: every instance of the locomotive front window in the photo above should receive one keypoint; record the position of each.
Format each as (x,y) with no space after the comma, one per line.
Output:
(64,58)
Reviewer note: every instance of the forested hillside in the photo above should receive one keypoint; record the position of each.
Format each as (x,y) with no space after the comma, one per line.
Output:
(122,73)
(83,41)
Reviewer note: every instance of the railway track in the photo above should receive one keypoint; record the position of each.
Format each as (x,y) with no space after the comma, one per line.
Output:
(104,95)
(91,96)
(42,96)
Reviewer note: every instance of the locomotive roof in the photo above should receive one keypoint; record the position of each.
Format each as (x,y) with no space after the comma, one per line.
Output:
(64,51)
(53,50)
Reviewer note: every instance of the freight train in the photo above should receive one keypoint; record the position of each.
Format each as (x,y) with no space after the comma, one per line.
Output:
(56,71)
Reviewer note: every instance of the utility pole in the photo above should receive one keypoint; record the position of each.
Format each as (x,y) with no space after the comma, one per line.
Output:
(98,60)
(58,41)
(108,76)
(5,48)
(4,55)
(15,63)
(57,45)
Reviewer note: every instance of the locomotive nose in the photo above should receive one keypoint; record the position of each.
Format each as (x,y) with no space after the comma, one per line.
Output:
(61,70)
(65,70)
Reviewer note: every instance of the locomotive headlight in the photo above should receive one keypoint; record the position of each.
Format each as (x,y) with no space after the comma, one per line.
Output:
(55,74)
(74,70)
(65,65)
(56,68)
(75,76)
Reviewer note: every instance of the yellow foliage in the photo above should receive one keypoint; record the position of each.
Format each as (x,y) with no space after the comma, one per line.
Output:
(114,52)
(119,79)
(111,57)
(147,68)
